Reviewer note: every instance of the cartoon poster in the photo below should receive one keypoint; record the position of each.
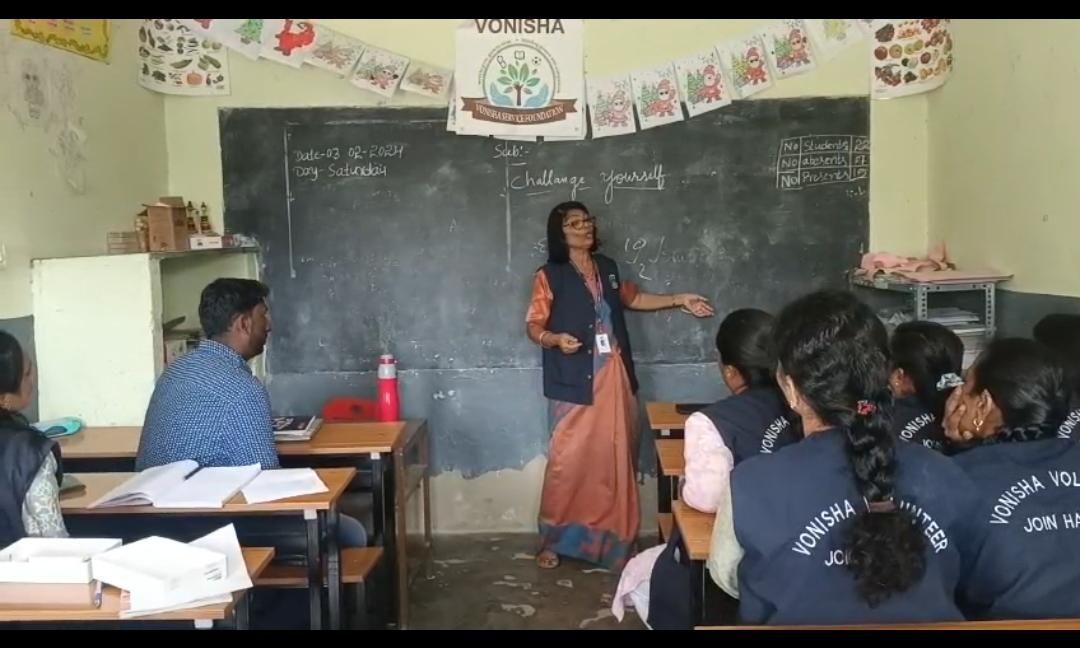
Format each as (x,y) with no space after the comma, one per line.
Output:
(426,80)
(702,83)
(287,41)
(379,71)
(744,61)
(909,56)
(521,76)
(86,36)
(242,35)
(335,52)
(173,60)
(788,48)
(656,95)
(830,36)
(611,106)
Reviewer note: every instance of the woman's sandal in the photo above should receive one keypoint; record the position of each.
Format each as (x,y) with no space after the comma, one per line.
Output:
(547,559)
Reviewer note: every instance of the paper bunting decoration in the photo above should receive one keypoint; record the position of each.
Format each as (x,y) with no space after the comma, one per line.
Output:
(788,48)
(656,95)
(830,36)
(288,41)
(426,80)
(744,61)
(703,83)
(379,71)
(335,52)
(611,106)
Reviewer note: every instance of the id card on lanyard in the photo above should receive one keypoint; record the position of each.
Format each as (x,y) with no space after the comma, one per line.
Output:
(603,342)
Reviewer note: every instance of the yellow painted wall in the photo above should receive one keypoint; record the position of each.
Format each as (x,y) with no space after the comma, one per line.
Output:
(898,181)
(125,162)
(1005,152)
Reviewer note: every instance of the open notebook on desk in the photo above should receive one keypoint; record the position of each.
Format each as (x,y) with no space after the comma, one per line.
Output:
(180,484)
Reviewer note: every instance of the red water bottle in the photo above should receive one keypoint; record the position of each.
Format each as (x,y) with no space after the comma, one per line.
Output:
(388,389)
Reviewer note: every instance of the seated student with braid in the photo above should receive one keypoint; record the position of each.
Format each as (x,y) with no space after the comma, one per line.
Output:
(1024,554)
(1060,332)
(751,421)
(926,360)
(848,525)
(31,472)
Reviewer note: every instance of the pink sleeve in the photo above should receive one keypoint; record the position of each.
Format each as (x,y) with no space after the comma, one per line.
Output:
(708,464)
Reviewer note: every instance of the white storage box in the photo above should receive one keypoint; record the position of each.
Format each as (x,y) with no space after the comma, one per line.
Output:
(52,560)
(158,565)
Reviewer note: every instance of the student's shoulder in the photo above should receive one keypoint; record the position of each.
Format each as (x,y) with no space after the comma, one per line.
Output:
(929,471)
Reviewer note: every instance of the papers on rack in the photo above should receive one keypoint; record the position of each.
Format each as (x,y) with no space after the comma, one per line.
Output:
(273,485)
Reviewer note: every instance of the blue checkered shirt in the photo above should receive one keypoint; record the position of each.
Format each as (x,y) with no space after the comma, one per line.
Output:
(208,407)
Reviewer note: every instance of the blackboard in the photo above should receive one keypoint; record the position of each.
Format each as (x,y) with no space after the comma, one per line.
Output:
(382,232)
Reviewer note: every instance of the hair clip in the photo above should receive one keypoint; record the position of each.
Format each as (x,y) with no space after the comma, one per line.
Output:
(865,408)
(948,381)
(887,506)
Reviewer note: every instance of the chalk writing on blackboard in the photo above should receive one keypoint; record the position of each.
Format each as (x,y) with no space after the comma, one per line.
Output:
(812,160)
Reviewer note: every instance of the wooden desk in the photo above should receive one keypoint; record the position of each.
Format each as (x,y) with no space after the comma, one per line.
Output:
(361,445)
(664,420)
(670,454)
(102,443)
(255,558)
(696,529)
(670,463)
(708,602)
(97,484)
(320,508)
(408,445)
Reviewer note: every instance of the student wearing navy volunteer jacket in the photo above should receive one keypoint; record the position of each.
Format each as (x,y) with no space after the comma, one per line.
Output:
(751,421)
(1060,332)
(1025,545)
(848,525)
(926,359)
(30,466)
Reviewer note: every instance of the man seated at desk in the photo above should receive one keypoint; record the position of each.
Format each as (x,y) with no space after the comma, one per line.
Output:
(208,406)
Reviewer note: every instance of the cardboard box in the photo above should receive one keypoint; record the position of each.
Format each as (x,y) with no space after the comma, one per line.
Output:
(140,569)
(52,560)
(167,222)
(211,242)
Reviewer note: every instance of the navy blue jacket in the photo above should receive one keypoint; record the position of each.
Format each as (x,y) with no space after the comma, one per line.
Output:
(912,422)
(792,511)
(751,423)
(22,449)
(569,378)
(1025,547)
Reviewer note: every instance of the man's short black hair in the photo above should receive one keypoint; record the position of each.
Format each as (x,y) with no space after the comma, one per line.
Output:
(226,299)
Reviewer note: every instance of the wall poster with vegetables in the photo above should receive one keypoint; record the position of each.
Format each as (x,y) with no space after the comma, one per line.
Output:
(909,56)
(174,60)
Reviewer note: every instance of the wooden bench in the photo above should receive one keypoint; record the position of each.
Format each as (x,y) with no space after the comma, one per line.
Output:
(1018,624)
(357,564)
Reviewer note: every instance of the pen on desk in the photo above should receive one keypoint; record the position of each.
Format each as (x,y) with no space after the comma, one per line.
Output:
(97,594)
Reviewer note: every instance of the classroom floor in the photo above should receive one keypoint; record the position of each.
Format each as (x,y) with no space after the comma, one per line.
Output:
(482,582)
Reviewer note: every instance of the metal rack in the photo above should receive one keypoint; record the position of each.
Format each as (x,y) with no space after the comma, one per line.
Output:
(920,293)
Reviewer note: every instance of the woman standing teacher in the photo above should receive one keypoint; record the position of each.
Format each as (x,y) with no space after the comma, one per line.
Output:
(589,506)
